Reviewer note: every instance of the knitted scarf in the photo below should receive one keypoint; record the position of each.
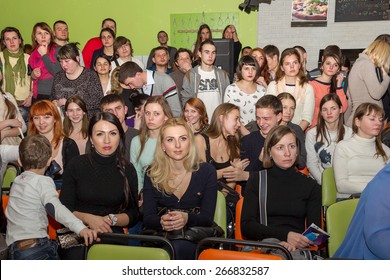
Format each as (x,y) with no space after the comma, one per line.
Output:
(16,74)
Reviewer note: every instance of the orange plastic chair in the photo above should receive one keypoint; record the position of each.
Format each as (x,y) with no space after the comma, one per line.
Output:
(204,252)
(4,202)
(237,230)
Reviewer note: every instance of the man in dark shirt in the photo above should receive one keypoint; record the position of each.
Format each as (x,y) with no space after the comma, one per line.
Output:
(114,103)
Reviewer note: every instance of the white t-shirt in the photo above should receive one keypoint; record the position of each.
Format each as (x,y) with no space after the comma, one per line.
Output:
(245,101)
(208,91)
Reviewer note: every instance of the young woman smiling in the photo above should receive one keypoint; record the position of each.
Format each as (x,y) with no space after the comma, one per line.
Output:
(76,122)
(195,114)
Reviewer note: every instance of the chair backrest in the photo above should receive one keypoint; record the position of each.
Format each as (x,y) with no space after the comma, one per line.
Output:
(204,252)
(338,218)
(220,212)
(125,252)
(237,230)
(329,189)
(10,174)
(215,254)
(115,246)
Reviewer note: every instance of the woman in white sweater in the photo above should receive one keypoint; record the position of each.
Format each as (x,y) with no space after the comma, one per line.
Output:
(358,159)
(290,78)
(321,140)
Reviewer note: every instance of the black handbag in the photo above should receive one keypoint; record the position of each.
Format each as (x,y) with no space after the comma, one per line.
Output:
(194,234)
(67,239)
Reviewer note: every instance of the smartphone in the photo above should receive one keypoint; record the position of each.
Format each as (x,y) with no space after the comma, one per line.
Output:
(378,71)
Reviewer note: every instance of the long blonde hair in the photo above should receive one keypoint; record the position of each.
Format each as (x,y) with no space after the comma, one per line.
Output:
(161,170)
(379,52)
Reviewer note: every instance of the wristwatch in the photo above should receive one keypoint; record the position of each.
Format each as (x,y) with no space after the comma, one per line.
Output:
(113,218)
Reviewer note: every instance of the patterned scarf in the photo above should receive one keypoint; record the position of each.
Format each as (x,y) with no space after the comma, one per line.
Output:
(16,74)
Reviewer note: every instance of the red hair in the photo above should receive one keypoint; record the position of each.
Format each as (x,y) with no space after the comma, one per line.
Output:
(44,108)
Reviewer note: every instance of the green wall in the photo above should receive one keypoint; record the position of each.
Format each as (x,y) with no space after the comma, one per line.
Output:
(138,20)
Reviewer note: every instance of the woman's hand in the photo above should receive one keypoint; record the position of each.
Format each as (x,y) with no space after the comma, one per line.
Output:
(13,123)
(27,101)
(288,246)
(174,220)
(261,81)
(99,223)
(340,79)
(298,240)
(36,73)
(240,163)
(42,49)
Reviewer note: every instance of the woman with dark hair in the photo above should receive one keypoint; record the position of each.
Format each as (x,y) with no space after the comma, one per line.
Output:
(123,50)
(76,122)
(100,187)
(74,79)
(290,78)
(179,181)
(321,140)
(45,120)
(230,32)
(245,92)
(358,159)
(264,77)
(43,60)
(102,67)
(195,114)
(330,81)
(291,199)
(204,33)
(138,100)
(107,36)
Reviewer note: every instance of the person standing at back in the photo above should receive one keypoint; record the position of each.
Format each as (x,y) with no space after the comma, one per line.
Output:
(95,43)
(61,36)
(206,81)
(162,38)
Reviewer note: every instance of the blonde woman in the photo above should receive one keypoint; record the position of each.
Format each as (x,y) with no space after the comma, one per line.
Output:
(368,79)
(179,181)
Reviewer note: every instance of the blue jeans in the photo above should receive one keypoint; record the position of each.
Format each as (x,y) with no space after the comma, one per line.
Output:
(44,250)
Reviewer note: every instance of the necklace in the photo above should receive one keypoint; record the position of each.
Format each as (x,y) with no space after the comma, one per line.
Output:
(177,187)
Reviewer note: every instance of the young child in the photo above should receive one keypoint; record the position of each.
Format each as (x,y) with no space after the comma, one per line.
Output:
(32,197)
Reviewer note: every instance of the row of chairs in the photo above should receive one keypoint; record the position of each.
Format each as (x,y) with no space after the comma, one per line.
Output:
(338,215)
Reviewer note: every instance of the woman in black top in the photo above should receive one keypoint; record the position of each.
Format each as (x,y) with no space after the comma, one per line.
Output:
(100,187)
(291,198)
(219,145)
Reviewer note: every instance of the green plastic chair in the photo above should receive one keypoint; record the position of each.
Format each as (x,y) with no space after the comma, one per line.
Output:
(118,248)
(123,252)
(338,218)
(13,170)
(329,189)
(220,212)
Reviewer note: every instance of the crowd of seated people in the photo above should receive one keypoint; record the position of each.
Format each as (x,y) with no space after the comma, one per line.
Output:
(139,147)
